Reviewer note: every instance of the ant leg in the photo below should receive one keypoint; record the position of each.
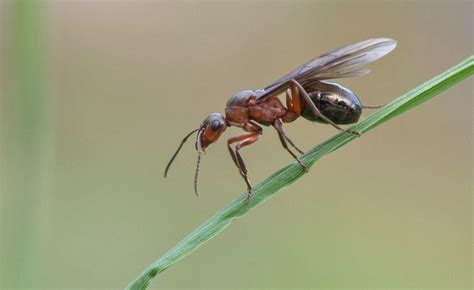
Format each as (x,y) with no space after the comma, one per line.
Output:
(295,100)
(278,126)
(293,105)
(249,127)
(243,140)
(314,109)
(293,144)
(231,141)
(373,107)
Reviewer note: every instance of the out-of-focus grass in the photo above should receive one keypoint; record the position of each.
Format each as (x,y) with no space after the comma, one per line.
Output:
(293,171)
(26,144)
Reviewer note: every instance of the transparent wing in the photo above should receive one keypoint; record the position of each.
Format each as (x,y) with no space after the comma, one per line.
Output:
(338,63)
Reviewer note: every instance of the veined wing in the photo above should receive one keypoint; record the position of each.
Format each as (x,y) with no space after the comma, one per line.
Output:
(338,63)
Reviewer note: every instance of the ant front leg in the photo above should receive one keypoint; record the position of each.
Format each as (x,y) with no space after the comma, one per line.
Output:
(302,92)
(242,141)
(283,138)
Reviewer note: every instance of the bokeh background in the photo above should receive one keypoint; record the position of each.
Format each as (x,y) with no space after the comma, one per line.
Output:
(96,95)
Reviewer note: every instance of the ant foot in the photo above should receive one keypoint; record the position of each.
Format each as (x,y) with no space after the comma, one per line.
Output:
(249,196)
(306,170)
(355,133)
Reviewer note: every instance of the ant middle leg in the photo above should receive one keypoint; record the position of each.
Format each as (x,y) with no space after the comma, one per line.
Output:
(283,138)
(293,144)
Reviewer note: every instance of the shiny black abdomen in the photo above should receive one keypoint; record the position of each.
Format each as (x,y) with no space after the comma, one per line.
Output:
(335,102)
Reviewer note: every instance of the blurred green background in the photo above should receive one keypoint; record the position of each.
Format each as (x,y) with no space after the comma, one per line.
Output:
(95,97)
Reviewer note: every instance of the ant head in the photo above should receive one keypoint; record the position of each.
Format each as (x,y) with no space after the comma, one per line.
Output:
(210,130)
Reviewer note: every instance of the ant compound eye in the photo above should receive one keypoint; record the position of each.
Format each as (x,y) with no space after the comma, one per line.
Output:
(215,125)
(341,103)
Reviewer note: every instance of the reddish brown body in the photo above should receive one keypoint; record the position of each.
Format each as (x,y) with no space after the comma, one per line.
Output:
(243,107)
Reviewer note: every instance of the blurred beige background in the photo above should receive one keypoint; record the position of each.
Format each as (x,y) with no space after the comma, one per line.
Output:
(124,81)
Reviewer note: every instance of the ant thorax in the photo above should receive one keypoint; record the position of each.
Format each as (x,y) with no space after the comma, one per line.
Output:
(241,99)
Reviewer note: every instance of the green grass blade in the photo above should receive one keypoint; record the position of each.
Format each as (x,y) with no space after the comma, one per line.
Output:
(290,173)
(26,143)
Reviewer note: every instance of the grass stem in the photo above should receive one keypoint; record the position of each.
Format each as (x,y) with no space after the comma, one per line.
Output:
(290,173)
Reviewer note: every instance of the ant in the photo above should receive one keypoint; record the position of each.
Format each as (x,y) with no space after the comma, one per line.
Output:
(307,95)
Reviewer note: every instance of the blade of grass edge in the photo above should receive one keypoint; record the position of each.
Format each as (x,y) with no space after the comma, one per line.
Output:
(290,173)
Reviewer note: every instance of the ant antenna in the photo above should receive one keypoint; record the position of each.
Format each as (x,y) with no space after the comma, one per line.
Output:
(177,151)
(196,175)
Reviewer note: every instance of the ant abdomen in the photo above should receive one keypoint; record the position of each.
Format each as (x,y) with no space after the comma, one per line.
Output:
(335,102)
